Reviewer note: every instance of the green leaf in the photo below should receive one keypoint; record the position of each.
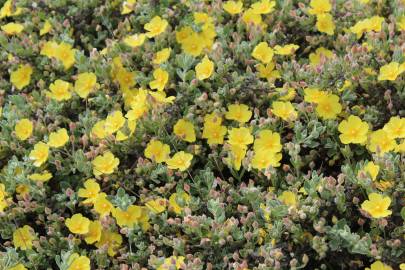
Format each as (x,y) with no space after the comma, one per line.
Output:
(122,199)
(216,210)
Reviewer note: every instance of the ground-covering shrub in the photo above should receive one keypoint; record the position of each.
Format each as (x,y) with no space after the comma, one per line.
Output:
(191,134)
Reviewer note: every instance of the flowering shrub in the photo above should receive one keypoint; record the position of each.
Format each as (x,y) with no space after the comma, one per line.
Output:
(199,135)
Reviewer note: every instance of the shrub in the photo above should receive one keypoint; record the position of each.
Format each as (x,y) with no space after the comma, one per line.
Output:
(202,134)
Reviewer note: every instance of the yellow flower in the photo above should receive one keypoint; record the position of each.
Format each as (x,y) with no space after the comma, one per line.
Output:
(325,24)
(161,77)
(250,17)
(8,10)
(240,136)
(94,233)
(183,33)
(328,107)
(201,18)
(319,7)
(377,205)
(400,148)
(395,128)
(128,6)
(144,219)
(204,69)
(372,170)
(22,237)
(126,131)
(155,27)
(3,200)
(23,129)
(375,23)
(22,189)
(347,85)
(268,72)
(102,205)
(139,105)
(135,40)
(286,49)
(160,97)
(178,201)
(105,164)
(238,112)
(19,266)
(236,155)
(135,98)
(77,262)
(353,130)
(184,130)
(401,23)
(263,7)
(314,95)
(161,56)
(207,35)
(127,218)
(320,53)
(288,197)
(380,141)
(263,53)
(86,82)
(214,132)
(233,7)
(172,263)
(378,265)
(98,130)
(125,78)
(48,49)
(46,28)
(383,185)
(131,126)
(157,206)
(263,159)
(62,52)
(192,44)
(3,192)
(60,90)
(121,134)
(41,177)
(391,71)
(58,138)
(267,141)
(39,154)
(157,151)
(266,211)
(114,122)
(286,94)
(367,25)
(284,110)
(90,191)
(360,27)
(213,118)
(181,161)
(12,28)
(65,54)
(21,77)
(78,224)
(111,240)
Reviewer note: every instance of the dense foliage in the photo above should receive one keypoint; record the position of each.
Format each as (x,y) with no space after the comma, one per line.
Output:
(199,134)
